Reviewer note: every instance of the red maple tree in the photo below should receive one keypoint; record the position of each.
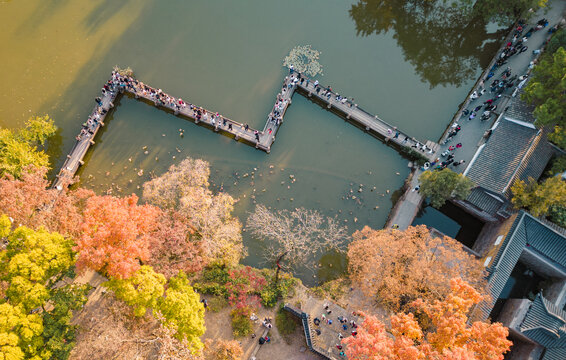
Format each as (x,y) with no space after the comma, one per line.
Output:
(116,234)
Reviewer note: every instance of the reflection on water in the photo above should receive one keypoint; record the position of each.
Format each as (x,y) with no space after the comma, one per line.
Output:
(443,46)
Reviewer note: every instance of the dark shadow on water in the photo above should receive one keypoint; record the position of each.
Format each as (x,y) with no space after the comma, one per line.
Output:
(333,264)
(54,149)
(102,13)
(444,46)
(452,221)
(39,16)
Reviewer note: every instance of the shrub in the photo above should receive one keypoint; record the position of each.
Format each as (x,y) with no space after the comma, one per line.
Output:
(217,303)
(273,292)
(241,323)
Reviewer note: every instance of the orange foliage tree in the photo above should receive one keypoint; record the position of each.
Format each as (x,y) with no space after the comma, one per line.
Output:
(116,234)
(451,338)
(30,202)
(398,267)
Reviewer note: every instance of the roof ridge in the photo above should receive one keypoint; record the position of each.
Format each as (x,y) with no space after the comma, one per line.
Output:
(528,154)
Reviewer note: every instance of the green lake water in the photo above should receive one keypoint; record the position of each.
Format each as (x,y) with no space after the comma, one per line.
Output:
(227,56)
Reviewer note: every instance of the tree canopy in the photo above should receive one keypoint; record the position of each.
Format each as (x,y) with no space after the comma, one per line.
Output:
(547,89)
(539,198)
(450,336)
(31,202)
(21,148)
(183,311)
(396,267)
(116,234)
(185,188)
(141,290)
(439,186)
(31,263)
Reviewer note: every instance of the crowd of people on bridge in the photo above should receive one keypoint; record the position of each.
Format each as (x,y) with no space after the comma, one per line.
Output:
(160,98)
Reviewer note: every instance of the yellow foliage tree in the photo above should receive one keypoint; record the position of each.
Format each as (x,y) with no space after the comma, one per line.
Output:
(539,198)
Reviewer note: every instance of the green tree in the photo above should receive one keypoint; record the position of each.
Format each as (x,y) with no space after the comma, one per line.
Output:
(58,332)
(558,136)
(439,186)
(547,89)
(538,198)
(183,311)
(558,165)
(557,214)
(141,290)
(557,41)
(20,148)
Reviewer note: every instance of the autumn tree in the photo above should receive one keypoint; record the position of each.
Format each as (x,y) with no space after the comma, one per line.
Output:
(31,263)
(397,267)
(539,198)
(175,246)
(142,290)
(181,308)
(20,333)
(439,186)
(295,236)
(30,260)
(116,235)
(547,89)
(22,147)
(185,188)
(225,350)
(30,202)
(450,337)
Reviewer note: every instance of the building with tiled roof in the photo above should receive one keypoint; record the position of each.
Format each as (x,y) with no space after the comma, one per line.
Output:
(515,150)
(539,322)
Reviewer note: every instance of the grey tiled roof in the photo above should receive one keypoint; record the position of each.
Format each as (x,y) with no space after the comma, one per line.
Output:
(520,110)
(488,203)
(508,153)
(545,323)
(526,232)
(534,162)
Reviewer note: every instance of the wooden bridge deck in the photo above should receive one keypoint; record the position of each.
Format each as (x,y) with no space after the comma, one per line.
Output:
(84,141)
(260,139)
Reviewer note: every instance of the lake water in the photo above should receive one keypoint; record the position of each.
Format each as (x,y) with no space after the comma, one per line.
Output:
(227,56)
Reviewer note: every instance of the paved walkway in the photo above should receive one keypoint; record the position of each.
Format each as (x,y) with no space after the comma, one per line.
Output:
(471,135)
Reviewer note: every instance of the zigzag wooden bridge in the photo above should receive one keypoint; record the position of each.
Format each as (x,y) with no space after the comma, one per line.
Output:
(241,132)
